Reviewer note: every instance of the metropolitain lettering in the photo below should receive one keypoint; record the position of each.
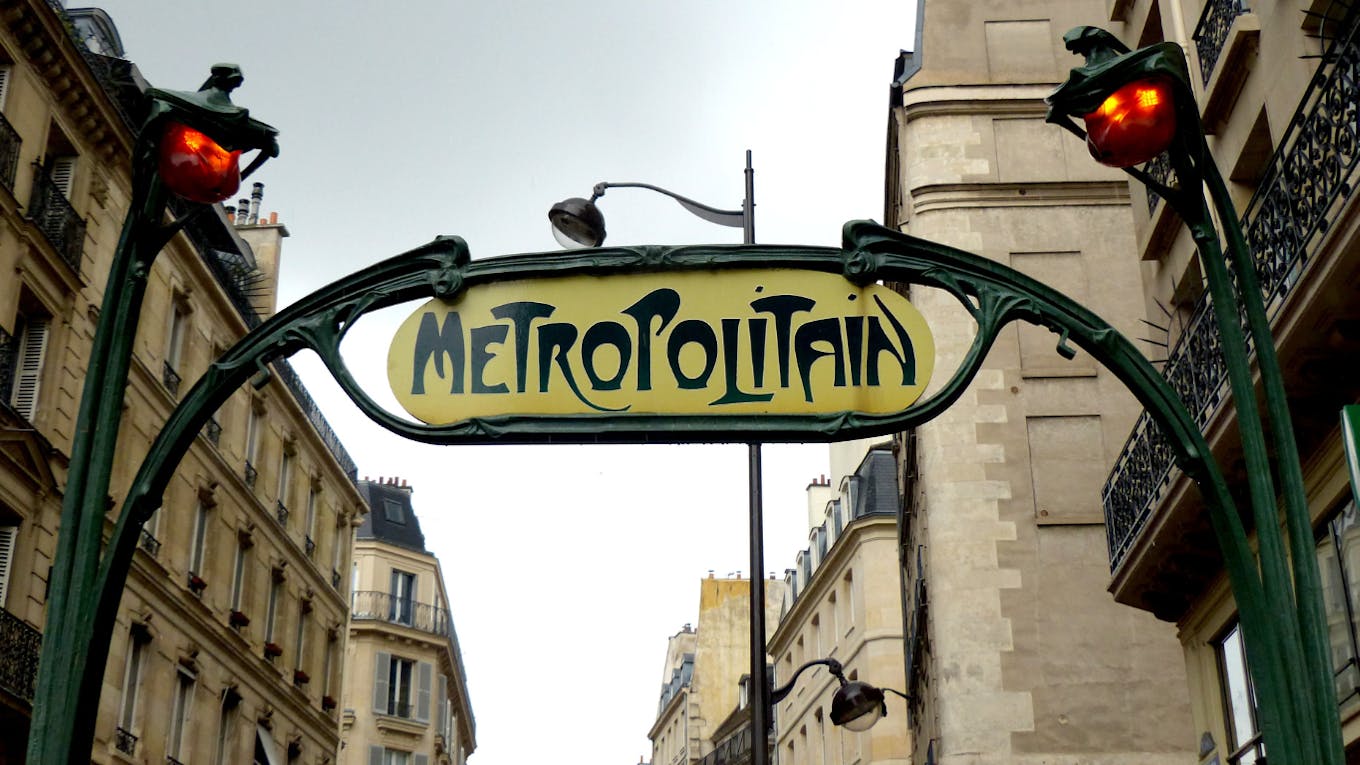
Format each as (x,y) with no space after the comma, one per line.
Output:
(653,343)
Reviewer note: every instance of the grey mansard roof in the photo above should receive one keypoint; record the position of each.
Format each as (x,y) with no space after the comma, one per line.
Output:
(391,518)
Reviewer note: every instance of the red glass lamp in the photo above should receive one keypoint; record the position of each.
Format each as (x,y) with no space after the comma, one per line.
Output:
(195,167)
(1134,124)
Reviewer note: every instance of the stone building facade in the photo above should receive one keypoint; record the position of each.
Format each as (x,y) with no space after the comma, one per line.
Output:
(229,640)
(844,601)
(703,687)
(405,700)
(1015,651)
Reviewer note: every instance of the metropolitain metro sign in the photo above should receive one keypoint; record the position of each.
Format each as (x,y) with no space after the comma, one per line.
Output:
(710,343)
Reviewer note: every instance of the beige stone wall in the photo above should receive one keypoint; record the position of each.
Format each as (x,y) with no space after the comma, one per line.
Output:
(1028,658)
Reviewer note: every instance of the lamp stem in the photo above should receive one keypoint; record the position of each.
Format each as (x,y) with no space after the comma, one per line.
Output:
(761,712)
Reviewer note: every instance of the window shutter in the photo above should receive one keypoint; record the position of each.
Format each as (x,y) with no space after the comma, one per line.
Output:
(441,703)
(382,667)
(375,755)
(4,84)
(423,692)
(421,759)
(7,537)
(62,171)
(32,347)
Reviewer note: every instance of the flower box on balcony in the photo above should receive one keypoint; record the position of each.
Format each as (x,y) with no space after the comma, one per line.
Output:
(272,650)
(300,677)
(238,619)
(196,584)
(328,703)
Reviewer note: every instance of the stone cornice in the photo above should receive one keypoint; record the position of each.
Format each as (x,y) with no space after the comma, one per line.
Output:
(952,196)
(49,49)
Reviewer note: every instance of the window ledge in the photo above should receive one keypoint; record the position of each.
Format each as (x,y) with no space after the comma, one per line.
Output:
(1231,70)
(401,725)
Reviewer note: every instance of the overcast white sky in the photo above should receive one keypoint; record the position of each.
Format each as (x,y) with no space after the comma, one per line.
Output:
(567,567)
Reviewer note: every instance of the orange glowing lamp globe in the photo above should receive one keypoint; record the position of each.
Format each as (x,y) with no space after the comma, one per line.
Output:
(1133,125)
(195,167)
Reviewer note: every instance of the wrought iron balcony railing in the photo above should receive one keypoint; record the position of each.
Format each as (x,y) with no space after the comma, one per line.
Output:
(9,152)
(383,606)
(125,742)
(310,544)
(9,358)
(19,646)
(1212,32)
(335,579)
(149,543)
(251,474)
(281,513)
(170,378)
(59,222)
(1160,170)
(1311,175)
(213,430)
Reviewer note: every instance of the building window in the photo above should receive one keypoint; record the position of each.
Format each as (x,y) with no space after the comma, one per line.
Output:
(299,660)
(226,726)
(1338,554)
(272,609)
(31,332)
(328,665)
(125,740)
(378,755)
(180,713)
(252,443)
(402,609)
(401,687)
(238,576)
(309,530)
(8,535)
(1239,701)
(394,512)
(174,344)
(198,552)
(285,479)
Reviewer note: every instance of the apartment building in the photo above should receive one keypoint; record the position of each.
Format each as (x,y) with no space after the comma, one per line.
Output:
(406,699)
(229,639)
(843,601)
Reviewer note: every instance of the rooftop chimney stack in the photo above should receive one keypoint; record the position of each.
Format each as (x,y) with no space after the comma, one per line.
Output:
(256,198)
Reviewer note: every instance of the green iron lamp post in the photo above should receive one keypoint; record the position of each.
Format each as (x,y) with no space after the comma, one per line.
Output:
(188,146)
(1135,106)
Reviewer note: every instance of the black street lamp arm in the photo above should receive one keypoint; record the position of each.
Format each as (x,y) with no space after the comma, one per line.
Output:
(730,218)
(832,666)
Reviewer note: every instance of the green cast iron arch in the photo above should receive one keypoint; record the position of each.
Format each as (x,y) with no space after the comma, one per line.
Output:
(993,294)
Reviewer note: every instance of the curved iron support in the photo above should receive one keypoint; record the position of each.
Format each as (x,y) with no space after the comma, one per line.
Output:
(1299,715)
(729,218)
(993,294)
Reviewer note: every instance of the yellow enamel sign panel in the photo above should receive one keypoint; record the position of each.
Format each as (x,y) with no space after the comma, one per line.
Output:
(720,342)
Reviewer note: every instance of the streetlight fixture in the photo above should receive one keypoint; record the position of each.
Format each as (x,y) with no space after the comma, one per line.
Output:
(577,223)
(857,705)
(1137,104)
(189,146)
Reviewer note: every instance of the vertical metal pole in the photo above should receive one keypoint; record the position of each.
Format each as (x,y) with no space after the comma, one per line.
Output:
(760,683)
